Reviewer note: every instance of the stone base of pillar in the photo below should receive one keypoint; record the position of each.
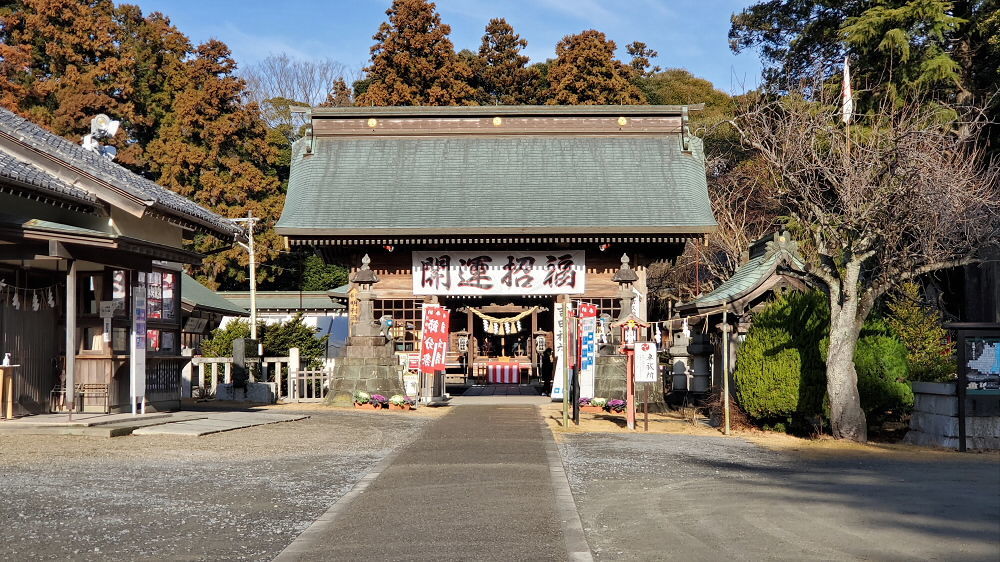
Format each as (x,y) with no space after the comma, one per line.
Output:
(368,365)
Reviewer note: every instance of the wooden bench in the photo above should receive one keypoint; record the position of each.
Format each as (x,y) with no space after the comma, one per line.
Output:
(93,390)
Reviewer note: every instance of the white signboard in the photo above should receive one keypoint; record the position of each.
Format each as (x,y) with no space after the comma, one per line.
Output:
(558,329)
(499,273)
(646,366)
(138,350)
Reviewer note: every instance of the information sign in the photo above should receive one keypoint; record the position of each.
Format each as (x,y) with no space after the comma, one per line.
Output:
(646,365)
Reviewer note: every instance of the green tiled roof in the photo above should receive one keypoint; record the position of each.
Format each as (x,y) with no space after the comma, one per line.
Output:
(748,277)
(483,184)
(200,296)
(286,300)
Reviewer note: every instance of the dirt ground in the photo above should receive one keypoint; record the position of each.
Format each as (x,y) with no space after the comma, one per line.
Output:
(238,495)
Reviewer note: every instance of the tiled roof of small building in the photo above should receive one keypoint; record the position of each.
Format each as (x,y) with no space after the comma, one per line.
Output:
(159,197)
(30,176)
(202,297)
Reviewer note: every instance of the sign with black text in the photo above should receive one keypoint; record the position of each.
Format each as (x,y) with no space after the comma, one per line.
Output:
(499,273)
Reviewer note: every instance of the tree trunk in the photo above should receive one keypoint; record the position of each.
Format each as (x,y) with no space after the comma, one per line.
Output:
(847,419)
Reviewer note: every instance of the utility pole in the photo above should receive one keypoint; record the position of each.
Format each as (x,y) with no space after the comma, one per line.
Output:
(250,220)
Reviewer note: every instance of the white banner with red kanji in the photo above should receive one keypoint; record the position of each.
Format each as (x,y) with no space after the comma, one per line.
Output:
(434,338)
(558,272)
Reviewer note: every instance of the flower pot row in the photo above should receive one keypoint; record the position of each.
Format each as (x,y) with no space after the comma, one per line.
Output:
(601,405)
(365,401)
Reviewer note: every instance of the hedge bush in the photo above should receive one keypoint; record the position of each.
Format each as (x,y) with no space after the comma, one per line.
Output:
(780,374)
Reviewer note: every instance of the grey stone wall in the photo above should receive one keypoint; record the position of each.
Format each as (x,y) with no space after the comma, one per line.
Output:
(935,418)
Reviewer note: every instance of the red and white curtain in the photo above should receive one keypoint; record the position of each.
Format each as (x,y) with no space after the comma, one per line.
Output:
(503,373)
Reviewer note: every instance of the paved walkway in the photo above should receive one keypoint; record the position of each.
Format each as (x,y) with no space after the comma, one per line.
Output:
(192,423)
(481,483)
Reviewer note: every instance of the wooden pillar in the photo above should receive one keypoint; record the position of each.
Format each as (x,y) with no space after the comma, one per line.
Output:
(531,337)
(70,389)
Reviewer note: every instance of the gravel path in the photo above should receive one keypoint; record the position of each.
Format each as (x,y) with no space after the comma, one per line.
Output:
(691,498)
(230,496)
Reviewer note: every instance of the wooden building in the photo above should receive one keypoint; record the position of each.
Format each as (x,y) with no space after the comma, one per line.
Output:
(78,235)
(496,212)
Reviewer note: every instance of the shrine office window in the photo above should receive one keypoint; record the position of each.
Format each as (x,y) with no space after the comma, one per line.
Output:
(611,306)
(162,312)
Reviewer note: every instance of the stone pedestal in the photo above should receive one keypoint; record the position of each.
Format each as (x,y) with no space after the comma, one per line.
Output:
(609,382)
(368,365)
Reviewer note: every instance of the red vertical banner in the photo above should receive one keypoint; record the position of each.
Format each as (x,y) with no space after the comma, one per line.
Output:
(434,338)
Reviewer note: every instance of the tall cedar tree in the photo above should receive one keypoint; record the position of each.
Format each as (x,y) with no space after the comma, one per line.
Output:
(213,149)
(413,61)
(184,122)
(503,75)
(586,72)
(339,96)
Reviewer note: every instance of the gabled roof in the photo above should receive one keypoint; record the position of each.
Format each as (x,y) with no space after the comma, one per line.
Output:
(752,275)
(196,295)
(159,199)
(535,170)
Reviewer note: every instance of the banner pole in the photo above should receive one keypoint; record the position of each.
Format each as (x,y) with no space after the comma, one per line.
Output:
(564,360)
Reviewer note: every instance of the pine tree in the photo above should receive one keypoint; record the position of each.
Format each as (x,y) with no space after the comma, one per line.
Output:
(503,77)
(413,61)
(641,55)
(586,72)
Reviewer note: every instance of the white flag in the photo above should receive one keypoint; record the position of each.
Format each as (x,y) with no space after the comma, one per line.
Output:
(846,96)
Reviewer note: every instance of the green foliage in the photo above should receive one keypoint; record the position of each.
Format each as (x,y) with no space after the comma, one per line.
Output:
(781,375)
(220,342)
(277,339)
(501,75)
(320,276)
(779,372)
(930,355)
(880,361)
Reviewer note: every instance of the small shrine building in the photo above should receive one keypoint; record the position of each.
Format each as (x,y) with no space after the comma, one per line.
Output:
(497,213)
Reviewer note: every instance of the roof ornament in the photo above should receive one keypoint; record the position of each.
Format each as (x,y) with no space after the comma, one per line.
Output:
(782,243)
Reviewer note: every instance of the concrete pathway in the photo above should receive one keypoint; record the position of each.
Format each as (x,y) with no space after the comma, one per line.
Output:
(193,423)
(481,483)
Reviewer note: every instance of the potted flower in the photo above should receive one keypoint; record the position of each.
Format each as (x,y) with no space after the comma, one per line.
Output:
(363,400)
(588,406)
(599,403)
(400,402)
(380,401)
(616,406)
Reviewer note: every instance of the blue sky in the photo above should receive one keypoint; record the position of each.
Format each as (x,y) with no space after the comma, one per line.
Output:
(689,34)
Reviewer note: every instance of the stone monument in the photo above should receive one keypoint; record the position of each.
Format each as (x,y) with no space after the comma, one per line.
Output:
(369,363)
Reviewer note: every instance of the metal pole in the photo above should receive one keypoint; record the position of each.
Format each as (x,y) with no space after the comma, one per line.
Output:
(253,280)
(70,390)
(725,368)
(630,389)
(564,361)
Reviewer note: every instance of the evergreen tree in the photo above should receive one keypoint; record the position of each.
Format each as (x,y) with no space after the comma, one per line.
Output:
(413,62)
(930,355)
(503,77)
(213,149)
(641,59)
(898,48)
(339,96)
(586,72)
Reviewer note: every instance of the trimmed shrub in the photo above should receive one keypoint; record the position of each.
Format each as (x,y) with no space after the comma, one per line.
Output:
(780,372)
(780,376)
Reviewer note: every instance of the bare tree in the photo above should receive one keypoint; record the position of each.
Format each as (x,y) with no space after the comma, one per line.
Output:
(279,81)
(904,192)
